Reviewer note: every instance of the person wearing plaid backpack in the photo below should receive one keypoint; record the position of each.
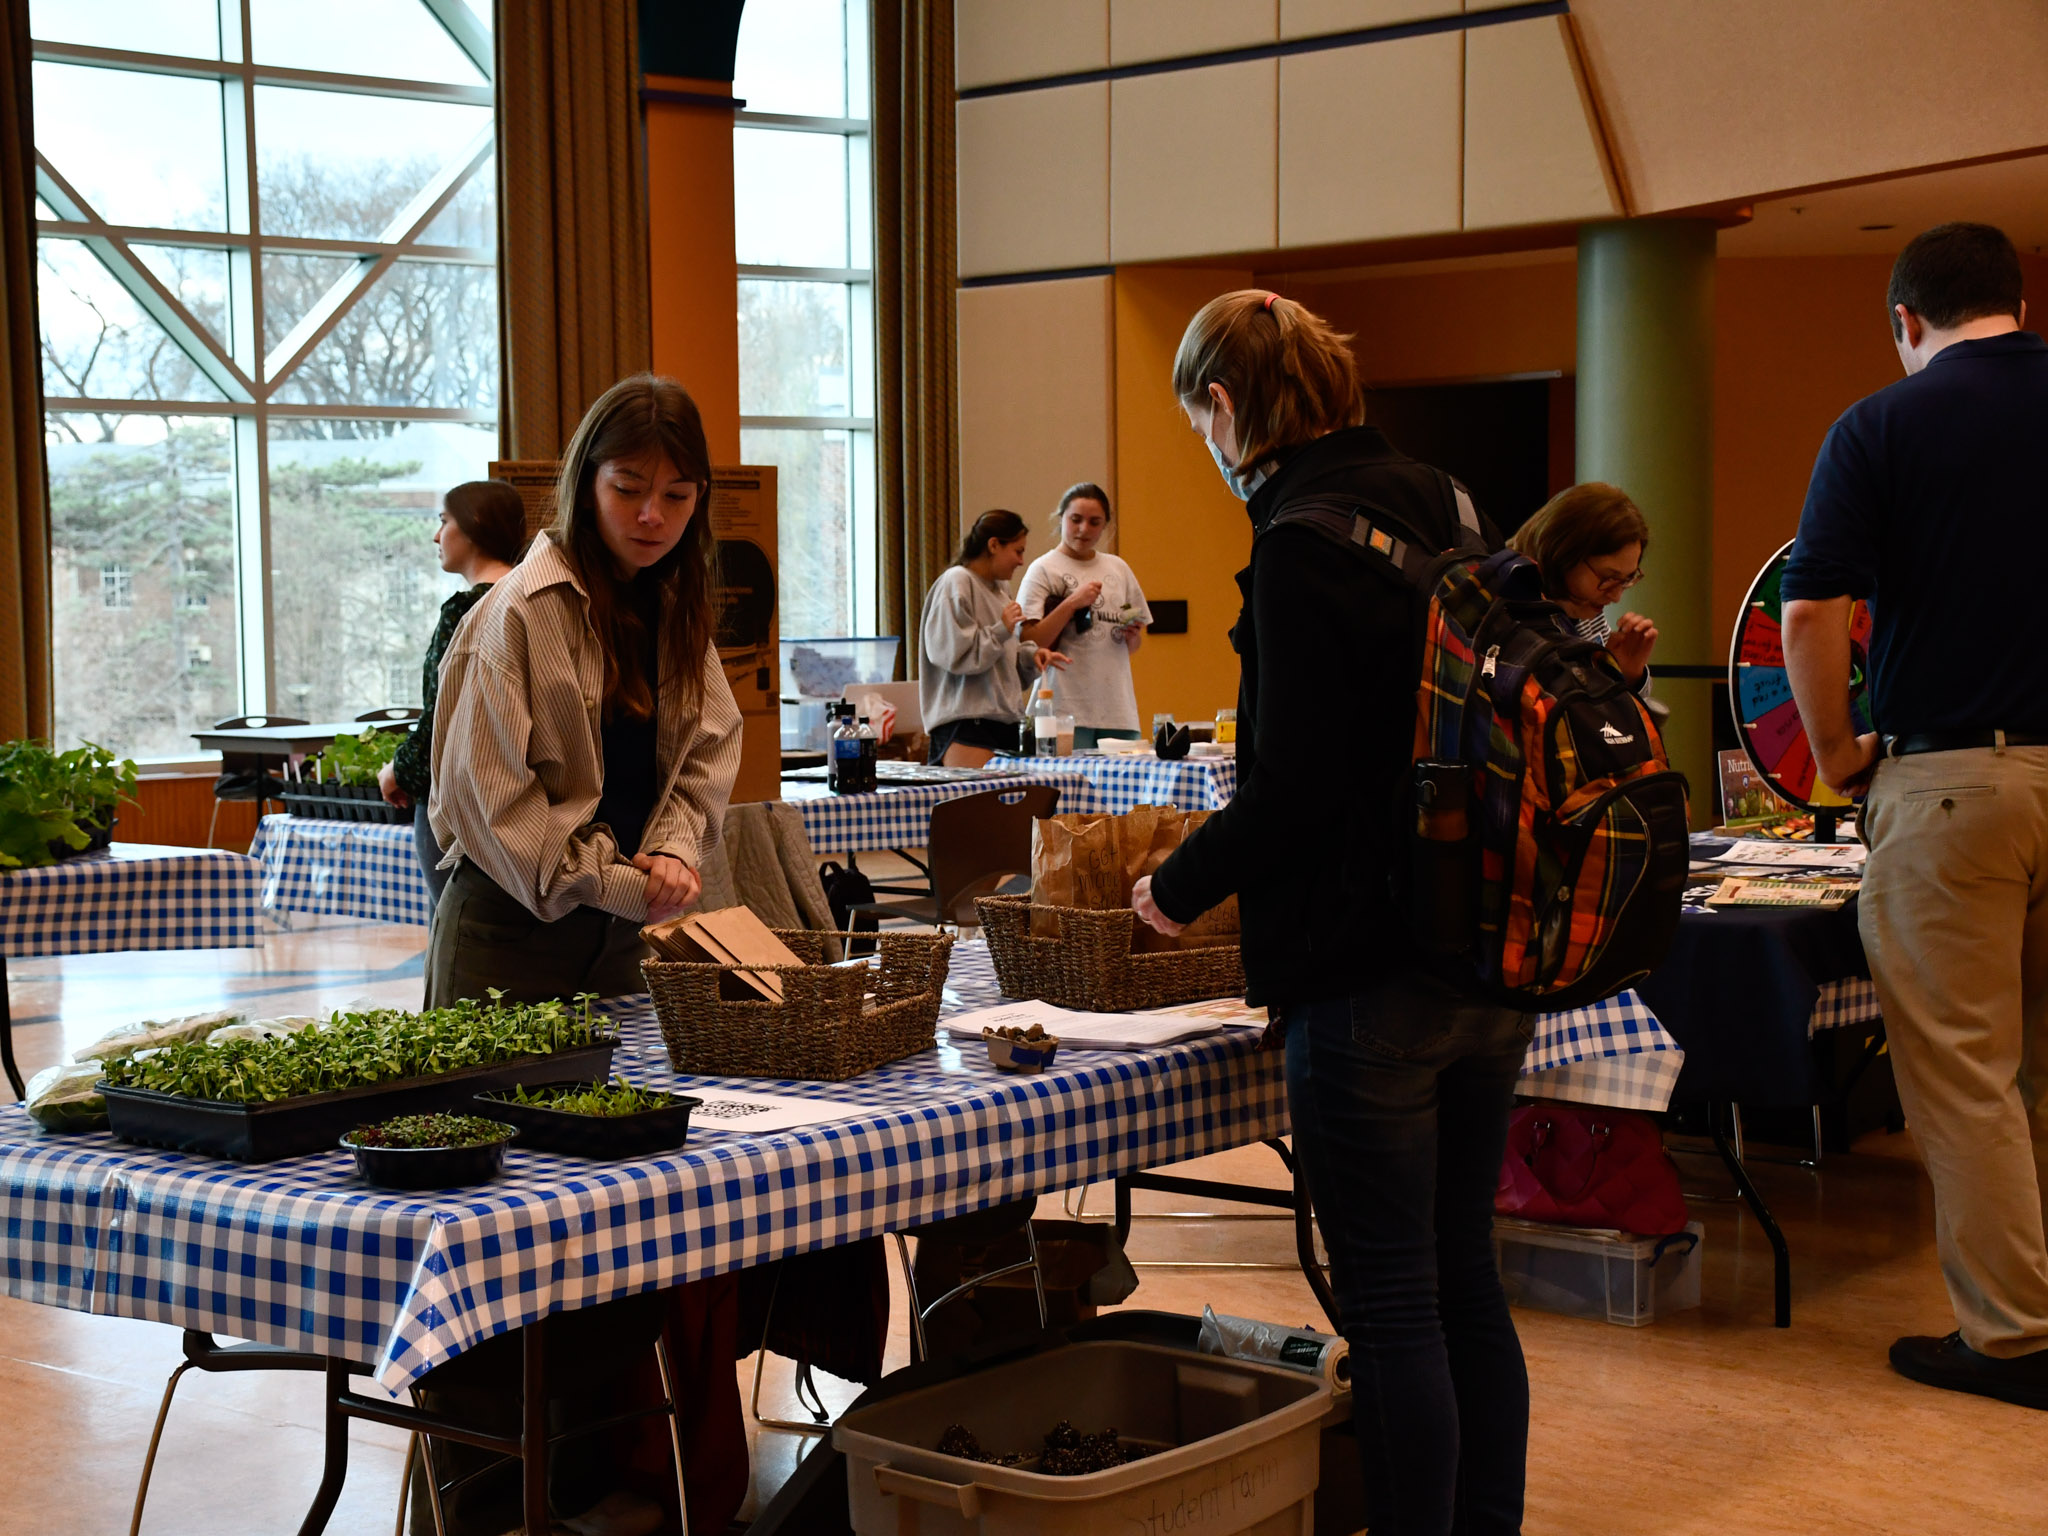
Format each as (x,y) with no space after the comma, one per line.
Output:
(1399,1082)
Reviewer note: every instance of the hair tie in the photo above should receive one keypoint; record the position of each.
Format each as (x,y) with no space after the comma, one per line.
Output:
(1269,302)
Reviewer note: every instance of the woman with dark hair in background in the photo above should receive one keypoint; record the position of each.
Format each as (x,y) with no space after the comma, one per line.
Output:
(1589,541)
(481,531)
(1089,600)
(970,689)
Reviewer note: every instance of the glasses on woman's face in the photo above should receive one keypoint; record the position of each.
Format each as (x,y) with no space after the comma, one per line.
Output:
(1607,579)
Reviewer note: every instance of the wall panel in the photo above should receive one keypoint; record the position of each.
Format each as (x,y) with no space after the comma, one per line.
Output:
(1037,403)
(1033,174)
(1371,141)
(1315,18)
(1532,153)
(1193,162)
(1141,30)
(995,41)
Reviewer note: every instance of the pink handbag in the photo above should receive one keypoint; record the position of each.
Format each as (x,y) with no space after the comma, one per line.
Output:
(1578,1165)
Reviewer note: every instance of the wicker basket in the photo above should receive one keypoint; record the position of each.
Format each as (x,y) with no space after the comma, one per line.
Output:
(1090,965)
(833,1023)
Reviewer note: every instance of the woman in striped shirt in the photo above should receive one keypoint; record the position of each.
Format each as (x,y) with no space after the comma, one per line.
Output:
(585,737)
(1589,541)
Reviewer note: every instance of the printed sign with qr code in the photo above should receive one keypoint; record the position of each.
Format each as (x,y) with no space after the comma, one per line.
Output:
(730,1109)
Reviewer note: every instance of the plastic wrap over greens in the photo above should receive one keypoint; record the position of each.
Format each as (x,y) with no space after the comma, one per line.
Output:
(351,1050)
(151,1033)
(67,1097)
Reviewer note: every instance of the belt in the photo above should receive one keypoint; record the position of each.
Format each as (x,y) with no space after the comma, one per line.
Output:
(1960,741)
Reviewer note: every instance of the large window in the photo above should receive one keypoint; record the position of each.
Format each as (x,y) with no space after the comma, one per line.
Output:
(802,203)
(270,342)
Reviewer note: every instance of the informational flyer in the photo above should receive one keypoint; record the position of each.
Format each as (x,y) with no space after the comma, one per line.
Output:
(1770,855)
(747,1113)
(743,517)
(534,480)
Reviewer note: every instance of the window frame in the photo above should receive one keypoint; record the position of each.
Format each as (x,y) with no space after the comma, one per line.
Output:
(248,375)
(863,596)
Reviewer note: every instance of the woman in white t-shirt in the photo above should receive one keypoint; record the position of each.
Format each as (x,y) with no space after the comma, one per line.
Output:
(1085,602)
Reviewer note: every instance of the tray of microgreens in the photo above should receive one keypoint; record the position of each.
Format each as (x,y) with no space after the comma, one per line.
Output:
(438,1151)
(262,1099)
(609,1120)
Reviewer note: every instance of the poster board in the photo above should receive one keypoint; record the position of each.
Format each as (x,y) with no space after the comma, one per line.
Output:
(743,518)
(534,480)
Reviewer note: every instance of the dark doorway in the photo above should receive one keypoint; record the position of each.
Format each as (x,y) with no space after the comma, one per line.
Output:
(1498,438)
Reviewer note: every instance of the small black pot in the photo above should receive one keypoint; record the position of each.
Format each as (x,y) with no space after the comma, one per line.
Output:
(610,1138)
(98,836)
(430,1167)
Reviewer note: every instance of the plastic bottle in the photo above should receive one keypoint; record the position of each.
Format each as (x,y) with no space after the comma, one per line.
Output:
(842,767)
(1045,725)
(870,775)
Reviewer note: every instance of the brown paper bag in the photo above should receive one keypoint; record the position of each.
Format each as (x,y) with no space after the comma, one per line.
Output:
(1075,862)
(1219,925)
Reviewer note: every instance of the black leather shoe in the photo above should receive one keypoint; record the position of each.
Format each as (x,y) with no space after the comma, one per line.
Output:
(1953,1364)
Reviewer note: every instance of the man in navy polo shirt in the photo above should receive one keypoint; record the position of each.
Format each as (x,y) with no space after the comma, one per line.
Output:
(1930,498)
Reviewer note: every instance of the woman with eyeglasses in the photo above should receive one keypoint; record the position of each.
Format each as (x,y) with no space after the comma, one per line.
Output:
(1589,542)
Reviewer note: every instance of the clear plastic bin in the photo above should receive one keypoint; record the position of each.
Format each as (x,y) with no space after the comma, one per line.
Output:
(1238,1442)
(826,668)
(1607,1276)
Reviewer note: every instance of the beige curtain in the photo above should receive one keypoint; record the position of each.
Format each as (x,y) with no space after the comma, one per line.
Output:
(25,682)
(917,418)
(572,215)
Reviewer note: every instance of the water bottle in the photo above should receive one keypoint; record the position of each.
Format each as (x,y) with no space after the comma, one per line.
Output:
(870,775)
(1443,890)
(1045,726)
(842,768)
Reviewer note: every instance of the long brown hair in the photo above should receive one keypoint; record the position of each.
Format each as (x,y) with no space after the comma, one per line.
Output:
(1288,372)
(1578,524)
(638,418)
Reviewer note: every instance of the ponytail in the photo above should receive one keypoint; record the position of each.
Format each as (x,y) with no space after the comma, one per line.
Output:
(999,526)
(1289,374)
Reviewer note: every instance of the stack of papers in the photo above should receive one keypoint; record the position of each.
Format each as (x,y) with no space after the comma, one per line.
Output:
(1097,1031)
(1776,855)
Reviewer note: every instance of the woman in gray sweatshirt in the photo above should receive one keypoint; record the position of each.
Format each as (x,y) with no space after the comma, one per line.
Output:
(971,686)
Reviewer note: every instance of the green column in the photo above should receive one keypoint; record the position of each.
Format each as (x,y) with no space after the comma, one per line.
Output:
(1646,424)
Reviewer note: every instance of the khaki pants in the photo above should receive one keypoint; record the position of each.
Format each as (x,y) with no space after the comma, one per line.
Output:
(483,938)
(1954,915)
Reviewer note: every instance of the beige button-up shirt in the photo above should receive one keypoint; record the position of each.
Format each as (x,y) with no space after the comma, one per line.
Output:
(519,754)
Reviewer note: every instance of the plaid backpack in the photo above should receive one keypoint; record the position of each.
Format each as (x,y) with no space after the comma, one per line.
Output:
(1544,829)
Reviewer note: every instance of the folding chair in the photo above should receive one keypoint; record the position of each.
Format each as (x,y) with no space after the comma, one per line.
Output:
(975,844)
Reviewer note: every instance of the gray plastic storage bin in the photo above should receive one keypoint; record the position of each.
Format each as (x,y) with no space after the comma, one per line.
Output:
(1607,1276)
(1239,1448)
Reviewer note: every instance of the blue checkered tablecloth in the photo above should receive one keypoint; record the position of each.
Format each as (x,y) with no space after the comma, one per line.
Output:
(895,816)
(1613,1052)
(1121,782)
(1843,1004)
(131,896)
(299,1253)
(341,868)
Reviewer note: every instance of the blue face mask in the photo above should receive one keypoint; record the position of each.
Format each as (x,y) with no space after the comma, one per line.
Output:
(1241,485)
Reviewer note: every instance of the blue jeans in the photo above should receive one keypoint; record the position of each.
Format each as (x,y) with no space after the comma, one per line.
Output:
(1400,1097)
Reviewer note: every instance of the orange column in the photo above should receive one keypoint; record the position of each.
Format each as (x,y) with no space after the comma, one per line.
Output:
(1183,533)
(694,273)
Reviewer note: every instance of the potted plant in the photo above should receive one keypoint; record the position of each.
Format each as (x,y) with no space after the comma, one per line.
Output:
(607,1120)
(340,783)
(438,1151)
(54,804)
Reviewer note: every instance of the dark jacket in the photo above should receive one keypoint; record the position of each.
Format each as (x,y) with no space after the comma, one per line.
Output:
(413,764)
(1328,658)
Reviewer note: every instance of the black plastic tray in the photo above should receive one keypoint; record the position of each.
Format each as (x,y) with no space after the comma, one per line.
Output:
(429,1167)
(342,802)
(263,1133)
(610,1138)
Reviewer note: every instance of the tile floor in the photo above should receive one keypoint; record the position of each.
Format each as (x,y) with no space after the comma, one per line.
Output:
(1710,1421)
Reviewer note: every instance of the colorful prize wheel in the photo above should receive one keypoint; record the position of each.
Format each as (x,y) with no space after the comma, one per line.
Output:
(1760,691)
